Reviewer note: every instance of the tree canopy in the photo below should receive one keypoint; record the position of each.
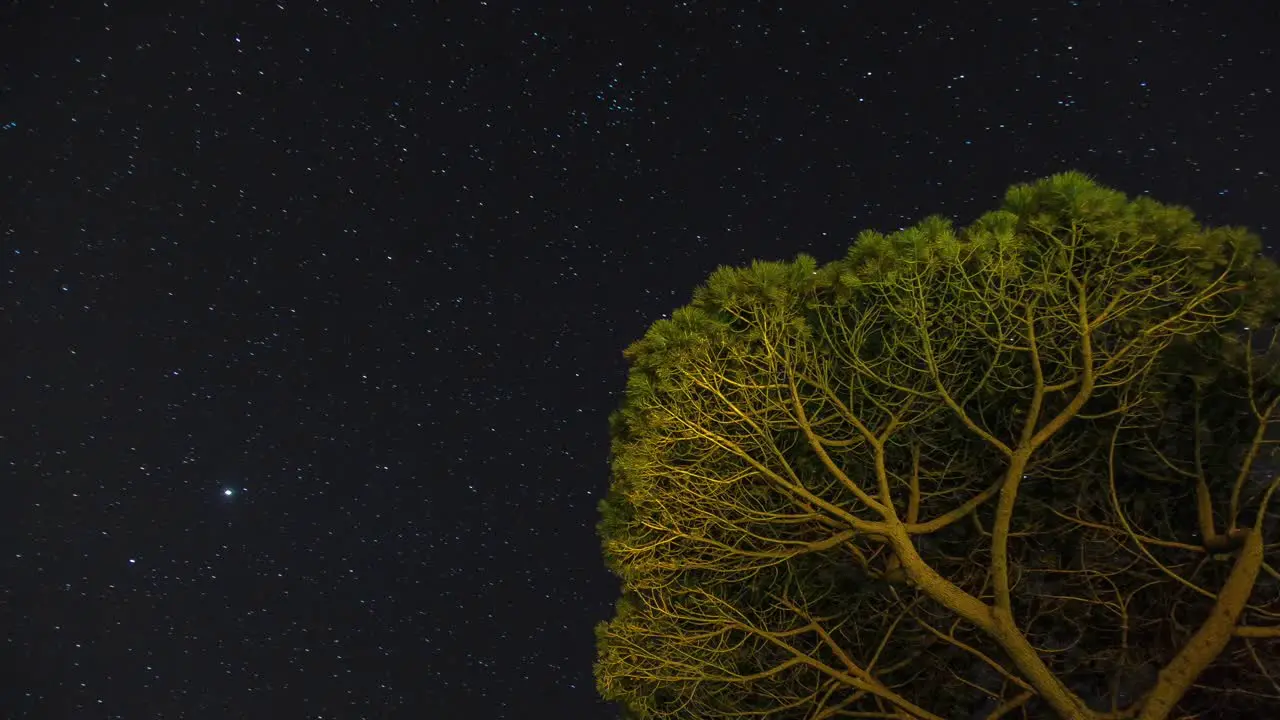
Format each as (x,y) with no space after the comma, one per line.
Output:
(1020,469)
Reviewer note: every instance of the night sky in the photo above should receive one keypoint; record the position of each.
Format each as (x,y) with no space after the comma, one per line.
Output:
(311,316)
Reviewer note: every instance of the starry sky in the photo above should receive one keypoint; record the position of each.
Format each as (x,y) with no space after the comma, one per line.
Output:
(311,314)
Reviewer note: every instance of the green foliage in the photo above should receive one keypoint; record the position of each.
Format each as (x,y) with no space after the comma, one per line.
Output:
(778,426)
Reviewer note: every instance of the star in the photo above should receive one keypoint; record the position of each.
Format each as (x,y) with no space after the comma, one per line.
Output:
(228,492)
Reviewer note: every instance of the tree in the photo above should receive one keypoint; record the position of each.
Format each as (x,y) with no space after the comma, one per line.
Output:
(1019,470)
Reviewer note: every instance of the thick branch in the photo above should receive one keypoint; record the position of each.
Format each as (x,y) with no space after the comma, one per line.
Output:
(1211,639)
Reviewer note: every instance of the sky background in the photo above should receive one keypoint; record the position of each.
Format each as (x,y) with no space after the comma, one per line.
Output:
(311,315)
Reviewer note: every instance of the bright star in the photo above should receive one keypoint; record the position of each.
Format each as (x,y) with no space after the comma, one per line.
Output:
(228,492)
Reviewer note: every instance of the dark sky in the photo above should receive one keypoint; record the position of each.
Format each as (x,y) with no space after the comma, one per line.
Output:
(311,315)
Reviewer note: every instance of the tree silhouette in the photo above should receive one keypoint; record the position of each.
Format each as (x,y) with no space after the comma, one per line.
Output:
(1020,470)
